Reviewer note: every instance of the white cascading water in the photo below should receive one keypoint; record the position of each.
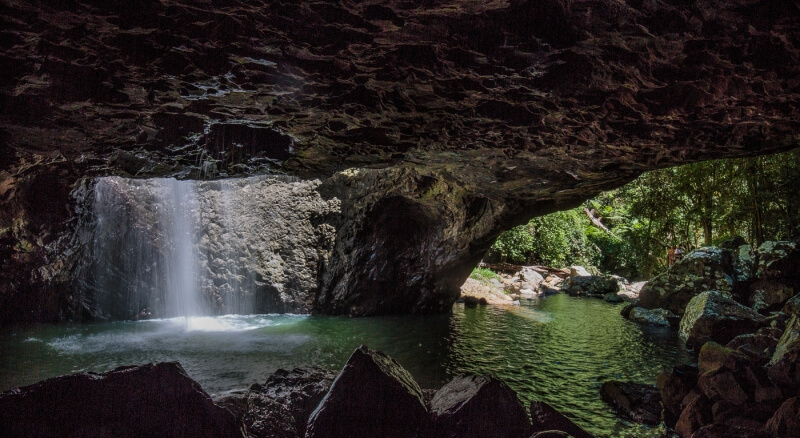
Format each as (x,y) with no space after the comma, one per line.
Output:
(162,248)
(145,255)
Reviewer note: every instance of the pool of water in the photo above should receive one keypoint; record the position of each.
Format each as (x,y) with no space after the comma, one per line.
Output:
(558,350)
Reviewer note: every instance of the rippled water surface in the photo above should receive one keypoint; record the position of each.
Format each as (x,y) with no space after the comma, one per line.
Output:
(559,350)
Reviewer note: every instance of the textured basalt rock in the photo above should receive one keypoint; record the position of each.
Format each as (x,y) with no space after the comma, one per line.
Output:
(468,407)
(513,108)
(713,315)
(372,396)
(132,401)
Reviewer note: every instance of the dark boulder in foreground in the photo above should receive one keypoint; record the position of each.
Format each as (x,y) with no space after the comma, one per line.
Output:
(373,396)
(158,400)
(636,401)
(281,406)
(547,422)
(478,406)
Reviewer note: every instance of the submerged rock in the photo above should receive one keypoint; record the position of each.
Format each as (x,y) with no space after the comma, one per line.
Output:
(372,396)
(714,315)
(478,406)
(659,317)
(636,401)
(132,401)
(702,270)
(546,420)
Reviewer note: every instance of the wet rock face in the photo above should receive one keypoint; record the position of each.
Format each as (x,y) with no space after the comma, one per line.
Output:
(520,107)
(133,401)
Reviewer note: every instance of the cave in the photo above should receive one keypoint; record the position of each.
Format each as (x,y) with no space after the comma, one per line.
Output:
(377,148)
(465,118)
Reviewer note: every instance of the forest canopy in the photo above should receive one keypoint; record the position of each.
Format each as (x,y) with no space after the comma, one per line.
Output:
(628,231)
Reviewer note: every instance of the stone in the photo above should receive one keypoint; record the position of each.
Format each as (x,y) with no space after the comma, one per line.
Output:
(530,278)
(283,404)
(579,271)
(696,413)
(613,298)
(132,401)
(770,294)
(702,270)
(759,346)
(714,356)
(778,259)
(551,434)
(638,402)
(786,421)
(792,306)
(372,396)
(673,387)
(590,285)
(729,431)
(784,367)
(468,406)
(547,419)
(659,317)
(714,315)
(747,415)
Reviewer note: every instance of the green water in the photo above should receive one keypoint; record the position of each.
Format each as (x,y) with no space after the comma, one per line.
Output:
(558,350)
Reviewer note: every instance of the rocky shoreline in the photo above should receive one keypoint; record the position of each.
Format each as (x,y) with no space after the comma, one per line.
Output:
(372,396)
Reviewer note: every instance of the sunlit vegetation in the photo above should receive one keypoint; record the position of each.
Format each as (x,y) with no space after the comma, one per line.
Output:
(689,206)
(483,275)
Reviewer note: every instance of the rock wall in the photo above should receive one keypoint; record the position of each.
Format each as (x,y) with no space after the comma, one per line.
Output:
(256,246)
(459,118)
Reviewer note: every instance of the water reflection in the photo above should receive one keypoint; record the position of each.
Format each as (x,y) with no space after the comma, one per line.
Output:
(557,350)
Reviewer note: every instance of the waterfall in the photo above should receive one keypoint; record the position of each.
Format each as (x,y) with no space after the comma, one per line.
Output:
(144,257)
(167,248)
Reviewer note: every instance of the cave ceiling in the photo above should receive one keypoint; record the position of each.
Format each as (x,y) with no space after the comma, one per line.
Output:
(508,98)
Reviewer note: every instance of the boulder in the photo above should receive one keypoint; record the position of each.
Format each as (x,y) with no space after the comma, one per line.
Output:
(759,346)
(131,401)
(578,271)
(673,388)
(702,270)
(660,317)
(778,259)
(770,294)
(636,401)
(529,278)
(729,431)
(613,298)
(372,396)
(478,406)
(696,413)
(590,285)
(784,367)
(551,434)
(746,415)
(785,423)
(296,393)
(714,315)
(546,419)
(792,307)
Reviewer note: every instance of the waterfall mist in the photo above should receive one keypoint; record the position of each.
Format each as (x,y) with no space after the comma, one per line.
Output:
(167,248)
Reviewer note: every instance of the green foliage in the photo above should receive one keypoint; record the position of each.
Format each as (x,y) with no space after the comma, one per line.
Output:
(483,275)
(689,206)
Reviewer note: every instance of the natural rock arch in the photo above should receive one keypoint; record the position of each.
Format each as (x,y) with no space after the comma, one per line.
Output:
(478,115)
